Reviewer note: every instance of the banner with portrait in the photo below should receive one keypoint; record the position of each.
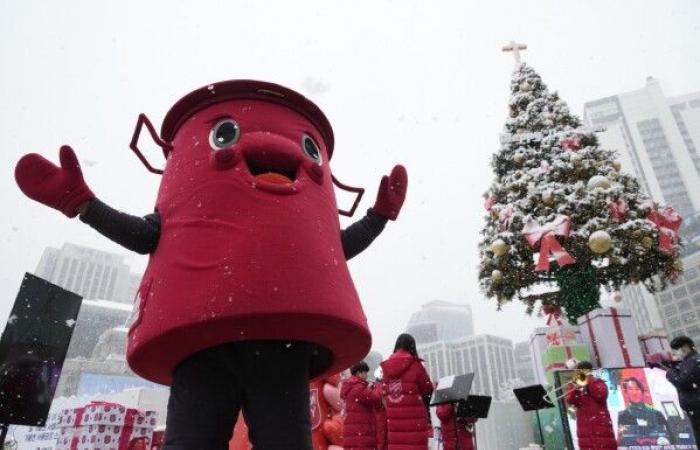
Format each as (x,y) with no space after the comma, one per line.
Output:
(643,407)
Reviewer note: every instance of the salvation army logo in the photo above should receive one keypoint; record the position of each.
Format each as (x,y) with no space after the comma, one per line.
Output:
(314,408)
(394,394)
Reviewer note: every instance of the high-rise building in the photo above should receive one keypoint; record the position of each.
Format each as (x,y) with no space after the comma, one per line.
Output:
(680,304)
(441,321)
(658,139)
(95,318)
(489,357)
(91,273)
(523,363)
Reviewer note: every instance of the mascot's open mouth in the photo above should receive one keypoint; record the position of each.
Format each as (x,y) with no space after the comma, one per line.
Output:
(277,168)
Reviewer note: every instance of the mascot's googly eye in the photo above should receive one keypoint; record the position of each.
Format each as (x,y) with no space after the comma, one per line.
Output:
(224,134)
(310,148)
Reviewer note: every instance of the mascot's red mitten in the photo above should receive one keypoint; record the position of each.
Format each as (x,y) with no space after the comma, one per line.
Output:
(392,193)
(61,188)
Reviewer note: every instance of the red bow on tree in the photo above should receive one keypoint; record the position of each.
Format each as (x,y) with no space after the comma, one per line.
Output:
(547,234)
(553,315)
(571,143)
(618,210)
(668,222)
(488,204)
(505,217)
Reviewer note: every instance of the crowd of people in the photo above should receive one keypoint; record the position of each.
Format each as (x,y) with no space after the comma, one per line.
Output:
(394,411)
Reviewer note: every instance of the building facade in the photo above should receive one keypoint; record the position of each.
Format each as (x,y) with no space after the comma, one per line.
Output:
(658,141)
(490,358)
(441,321)
(89,272)
(523,363)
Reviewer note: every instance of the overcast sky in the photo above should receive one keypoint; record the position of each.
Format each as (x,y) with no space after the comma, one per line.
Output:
(416,82)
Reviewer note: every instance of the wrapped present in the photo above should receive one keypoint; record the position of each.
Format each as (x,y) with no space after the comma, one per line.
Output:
(655,347)
(539,343)
(107,426)
(556,358)
(611,338)
(561,335)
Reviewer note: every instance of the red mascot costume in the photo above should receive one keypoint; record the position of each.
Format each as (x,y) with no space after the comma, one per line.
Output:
(247,277)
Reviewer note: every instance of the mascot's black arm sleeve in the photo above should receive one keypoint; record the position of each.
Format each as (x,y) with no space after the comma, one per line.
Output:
(139,234)
(360,234)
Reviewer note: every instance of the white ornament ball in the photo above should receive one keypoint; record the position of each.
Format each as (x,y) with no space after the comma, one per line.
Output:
(496,275)
(571,363)
(617,165)
(598,181)
(518,158)
(499,247)
(617,297)
(599,242)
(525,86)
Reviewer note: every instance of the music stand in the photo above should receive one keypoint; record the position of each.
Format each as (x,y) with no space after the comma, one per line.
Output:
(452,389)
(534,398)
(475,406)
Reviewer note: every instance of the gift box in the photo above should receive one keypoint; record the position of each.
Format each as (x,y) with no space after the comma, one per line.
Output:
(539,342)
(611,338)
(655,347)
(556,357)
(561,335)
(107,426)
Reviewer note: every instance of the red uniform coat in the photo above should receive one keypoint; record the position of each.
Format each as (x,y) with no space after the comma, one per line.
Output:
(359,429)
(405,384)
(380,415)
(455,431)
(593,425)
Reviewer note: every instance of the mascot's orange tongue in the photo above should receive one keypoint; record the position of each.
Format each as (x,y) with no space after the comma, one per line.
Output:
(273,177)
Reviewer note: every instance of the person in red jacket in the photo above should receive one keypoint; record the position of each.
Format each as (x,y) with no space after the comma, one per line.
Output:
(456,432)
(407,389)
(380,414)
(594,428)
(361,399)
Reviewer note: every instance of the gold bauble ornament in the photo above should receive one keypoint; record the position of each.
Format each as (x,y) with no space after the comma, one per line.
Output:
(518,157)
(525,86)
(637,234)
(548,198)
(677,265)
(599,242)
(598,181)
(617,297)
(499,247)
(647,242)
(617,165)
(496,275)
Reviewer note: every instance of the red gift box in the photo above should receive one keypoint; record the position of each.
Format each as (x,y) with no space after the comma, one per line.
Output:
(107,426)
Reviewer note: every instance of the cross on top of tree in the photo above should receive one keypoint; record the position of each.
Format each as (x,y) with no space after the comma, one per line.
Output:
(515,48)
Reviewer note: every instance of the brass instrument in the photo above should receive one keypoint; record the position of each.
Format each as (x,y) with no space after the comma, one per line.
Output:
(580,380)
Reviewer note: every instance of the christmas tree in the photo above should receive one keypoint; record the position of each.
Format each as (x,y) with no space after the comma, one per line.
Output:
(562,220)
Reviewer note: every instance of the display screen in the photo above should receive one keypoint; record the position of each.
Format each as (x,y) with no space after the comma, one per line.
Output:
(643,408)
(33,348)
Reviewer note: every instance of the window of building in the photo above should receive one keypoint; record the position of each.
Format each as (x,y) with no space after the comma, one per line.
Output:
(670,311)
(684,305)
(689,318)
(680,292)
(690,273)
(693,286)
(696,300)
(674,323)
(665,298)
(693,331)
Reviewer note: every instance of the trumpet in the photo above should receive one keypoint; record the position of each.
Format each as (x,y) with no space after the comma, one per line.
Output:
(579,380)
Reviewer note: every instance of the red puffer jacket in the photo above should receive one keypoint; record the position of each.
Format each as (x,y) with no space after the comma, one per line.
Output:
(453,430)
(380,415)
(593,425)
(359,430)
(405,384)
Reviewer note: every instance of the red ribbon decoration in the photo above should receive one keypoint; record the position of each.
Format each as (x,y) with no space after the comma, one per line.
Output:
(547,234)
(553,314)
(668,222)
(620,337)
(591,336)
(553,339)
(505,217)
(488,204)
(571,143)
(618,210)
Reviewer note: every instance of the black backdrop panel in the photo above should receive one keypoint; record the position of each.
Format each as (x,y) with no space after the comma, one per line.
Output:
(33,348)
